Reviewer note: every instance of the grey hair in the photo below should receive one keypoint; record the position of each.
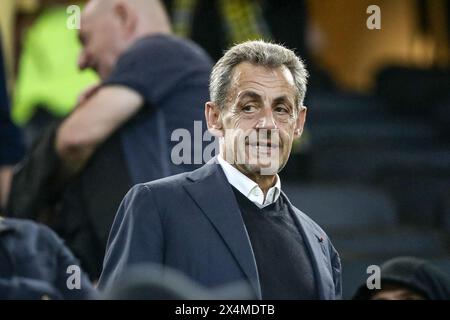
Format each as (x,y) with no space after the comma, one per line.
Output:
(259,53)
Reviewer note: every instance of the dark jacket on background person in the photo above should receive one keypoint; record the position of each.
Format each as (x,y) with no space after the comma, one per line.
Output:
(35,264)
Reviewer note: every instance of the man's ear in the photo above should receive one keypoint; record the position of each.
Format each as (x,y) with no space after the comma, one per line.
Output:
(214,119)
(300,122)
(127,17)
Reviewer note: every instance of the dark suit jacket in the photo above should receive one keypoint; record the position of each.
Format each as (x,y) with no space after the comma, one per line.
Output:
(192,222)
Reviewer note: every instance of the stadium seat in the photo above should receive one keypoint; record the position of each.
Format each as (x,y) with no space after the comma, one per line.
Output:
(416,189)
(363,164)
(343,207)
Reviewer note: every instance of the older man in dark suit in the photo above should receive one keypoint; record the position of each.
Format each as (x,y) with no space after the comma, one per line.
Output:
(229,221)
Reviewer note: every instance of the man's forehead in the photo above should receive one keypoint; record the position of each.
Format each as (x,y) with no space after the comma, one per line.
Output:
(256,77)
(248,72)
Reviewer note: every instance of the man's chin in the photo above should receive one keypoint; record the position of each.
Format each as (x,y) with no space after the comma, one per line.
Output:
(262,168)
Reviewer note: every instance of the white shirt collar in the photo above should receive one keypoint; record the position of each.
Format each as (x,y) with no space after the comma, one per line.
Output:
(248,187)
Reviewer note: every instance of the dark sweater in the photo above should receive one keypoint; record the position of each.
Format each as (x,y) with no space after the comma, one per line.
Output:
(283,261)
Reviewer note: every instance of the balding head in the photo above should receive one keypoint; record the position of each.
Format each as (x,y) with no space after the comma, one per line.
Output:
(109,27)
(151,13)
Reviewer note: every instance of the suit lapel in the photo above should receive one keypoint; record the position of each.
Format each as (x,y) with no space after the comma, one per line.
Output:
(214,196)
(315,244)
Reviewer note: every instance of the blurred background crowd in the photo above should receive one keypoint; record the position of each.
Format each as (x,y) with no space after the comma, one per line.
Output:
(373,167)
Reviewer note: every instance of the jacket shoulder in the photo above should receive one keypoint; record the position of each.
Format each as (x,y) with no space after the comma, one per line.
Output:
(27,229)
(176,182)
(172,182)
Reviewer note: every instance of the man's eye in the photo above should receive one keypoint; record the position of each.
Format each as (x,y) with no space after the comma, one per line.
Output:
(249,108)
(282,110)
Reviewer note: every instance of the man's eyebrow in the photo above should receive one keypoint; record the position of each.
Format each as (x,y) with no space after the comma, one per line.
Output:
(282,98)
(249,94)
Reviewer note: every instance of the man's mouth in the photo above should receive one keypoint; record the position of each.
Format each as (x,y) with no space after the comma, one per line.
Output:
(264,147)
(266,144)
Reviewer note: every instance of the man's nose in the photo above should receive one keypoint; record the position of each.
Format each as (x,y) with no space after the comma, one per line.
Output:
(266,120)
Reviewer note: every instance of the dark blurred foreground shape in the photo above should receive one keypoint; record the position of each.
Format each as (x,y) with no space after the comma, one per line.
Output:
(155,282)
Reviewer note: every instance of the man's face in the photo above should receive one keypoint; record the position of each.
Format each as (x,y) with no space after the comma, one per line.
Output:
(260,119)
(396,293)
(100,36)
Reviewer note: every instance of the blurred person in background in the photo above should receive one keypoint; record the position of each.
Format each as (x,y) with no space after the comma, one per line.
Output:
(408,278)
(120,132)
(35,264)
(48,81)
